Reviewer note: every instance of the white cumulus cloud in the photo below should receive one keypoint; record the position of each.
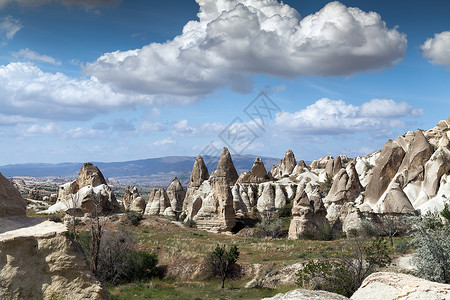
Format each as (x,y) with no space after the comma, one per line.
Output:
(437,49)
(334,117)
(28,91)
(28,54)
(236,39)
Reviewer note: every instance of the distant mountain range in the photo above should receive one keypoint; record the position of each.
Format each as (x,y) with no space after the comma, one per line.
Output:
(180,166)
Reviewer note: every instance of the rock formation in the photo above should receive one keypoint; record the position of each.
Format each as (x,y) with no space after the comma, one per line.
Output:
(11,202)
(88,193)
(385,169)
(286,165)
(38,260)
(176,194)
(198,176)
(308,212)
(258,174)
(130,194)
(225,168)
(333,166)
(387,285)
(159,204)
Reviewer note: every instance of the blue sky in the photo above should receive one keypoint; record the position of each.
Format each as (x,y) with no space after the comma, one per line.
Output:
(110,80)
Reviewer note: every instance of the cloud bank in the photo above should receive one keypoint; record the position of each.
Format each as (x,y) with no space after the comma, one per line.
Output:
(334,117)
(25,90)
(437,49)
(234,40)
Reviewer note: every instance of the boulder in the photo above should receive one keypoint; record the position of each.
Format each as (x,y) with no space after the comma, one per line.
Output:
(11,202)
(385,169)
(176,194)
(304,294)
(396,286)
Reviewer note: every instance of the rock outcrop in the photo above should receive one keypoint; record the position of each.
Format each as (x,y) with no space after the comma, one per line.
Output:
(198,176)
(11,202)
(88,193)
(384,171)
(159,204)
(396,286)
(35,194)
(286,165)
(333,166)
(176,194)
(225,168)
(258,174)
(38,260)
(130,195)
(308,212)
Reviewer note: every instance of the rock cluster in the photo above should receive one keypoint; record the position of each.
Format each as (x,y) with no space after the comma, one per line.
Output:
(89,193)
(132,201)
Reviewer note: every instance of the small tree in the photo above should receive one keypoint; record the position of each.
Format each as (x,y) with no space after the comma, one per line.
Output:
(221,261)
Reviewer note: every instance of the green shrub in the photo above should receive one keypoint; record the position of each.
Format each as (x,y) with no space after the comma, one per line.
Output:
(182,216)
(402,246)
(191,223)
(273,228)
(326,233)
(135,218)
(55,218)
(141,265)
(432,248)
(351,266)
(285,211)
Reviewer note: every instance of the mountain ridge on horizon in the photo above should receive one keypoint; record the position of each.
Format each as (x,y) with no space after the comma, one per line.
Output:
(140,167)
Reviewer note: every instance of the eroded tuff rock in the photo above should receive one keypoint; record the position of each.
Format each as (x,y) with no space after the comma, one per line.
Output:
(397,286)
(300,167)
(11,202)
(258,173)
(346,186)
(176,194)
(333,166)
(309,213)
(130,194)
(38,260)
(211,205)
(198,176)
(286,165)
(159,204)
(266,202)
(88,193)
(384,171)
(225,168)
